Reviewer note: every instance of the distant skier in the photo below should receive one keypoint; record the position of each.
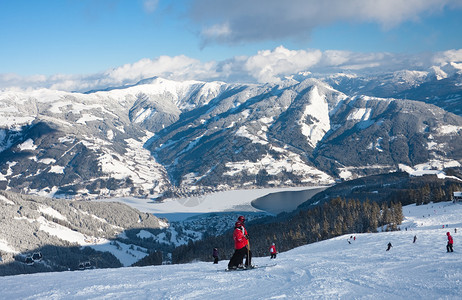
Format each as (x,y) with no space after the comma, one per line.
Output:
(450,242)
(215,255)
(389,246)
(415,239)
(272,250)
(240,247)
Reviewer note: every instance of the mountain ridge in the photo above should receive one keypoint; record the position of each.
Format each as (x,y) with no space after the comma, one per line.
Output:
(161,137)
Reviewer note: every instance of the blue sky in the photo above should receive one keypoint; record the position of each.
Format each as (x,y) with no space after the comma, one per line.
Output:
(76,37)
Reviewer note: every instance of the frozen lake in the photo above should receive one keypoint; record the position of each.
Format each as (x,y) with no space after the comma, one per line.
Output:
(271,200)
(285,201)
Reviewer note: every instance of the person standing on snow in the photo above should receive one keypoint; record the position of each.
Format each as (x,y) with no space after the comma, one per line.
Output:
(240,247)
(215,255)
(272,250)
(450,242)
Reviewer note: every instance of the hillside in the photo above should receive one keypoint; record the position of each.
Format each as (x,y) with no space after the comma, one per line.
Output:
(330,269)
(68,233)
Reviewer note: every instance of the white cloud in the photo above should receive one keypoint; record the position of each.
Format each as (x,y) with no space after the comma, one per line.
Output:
(442,58)
(150,5)
(238,21)
(217,31)
(265,66)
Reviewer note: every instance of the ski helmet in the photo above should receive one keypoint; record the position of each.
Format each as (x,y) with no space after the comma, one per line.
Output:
(241,219)
(447,233)
(238,224)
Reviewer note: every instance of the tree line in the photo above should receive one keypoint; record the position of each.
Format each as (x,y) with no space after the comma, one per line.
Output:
(331,219)
(426,192)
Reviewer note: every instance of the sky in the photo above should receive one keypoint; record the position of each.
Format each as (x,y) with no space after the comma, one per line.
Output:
(66,44)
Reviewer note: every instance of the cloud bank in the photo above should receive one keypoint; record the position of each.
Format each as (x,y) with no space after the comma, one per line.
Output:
(240,21)
(267,66)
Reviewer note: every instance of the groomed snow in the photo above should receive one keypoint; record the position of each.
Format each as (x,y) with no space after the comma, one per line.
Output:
(331,269)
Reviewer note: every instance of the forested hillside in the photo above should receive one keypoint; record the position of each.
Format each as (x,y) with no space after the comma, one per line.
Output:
(67,234)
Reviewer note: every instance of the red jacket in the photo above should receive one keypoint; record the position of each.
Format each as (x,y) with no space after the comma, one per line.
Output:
(450,241)
(273,249)
(239,238)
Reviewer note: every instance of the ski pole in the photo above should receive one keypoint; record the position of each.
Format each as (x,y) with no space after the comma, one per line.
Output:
(248,252)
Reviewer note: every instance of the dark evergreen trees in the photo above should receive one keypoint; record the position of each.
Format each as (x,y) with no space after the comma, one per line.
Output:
(331,219)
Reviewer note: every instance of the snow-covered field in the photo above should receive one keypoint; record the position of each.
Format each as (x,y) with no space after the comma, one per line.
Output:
(331,269)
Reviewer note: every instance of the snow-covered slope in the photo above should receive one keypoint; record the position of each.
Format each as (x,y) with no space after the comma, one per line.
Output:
(331,269)
(439,85)
(30,224)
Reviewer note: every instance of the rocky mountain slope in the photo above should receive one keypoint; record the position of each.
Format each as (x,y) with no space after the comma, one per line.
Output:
(161,137)
(440,85)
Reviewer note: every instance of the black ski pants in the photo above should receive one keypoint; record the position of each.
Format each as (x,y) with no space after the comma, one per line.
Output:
(238,257)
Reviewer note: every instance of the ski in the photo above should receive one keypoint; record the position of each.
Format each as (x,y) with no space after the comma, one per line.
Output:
(251,268)
(267,265)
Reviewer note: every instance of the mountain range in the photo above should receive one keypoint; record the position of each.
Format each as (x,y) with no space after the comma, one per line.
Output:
(162,138)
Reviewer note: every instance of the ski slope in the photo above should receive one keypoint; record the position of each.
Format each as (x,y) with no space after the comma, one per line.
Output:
(331,269)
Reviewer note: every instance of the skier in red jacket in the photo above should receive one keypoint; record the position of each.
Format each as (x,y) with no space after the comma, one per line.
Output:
(240,246)
(272,250)
(450,242)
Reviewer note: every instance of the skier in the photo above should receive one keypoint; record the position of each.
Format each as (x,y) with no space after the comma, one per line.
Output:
(450,242)
(240,247)
(389,246)
(272,250)
(215,255)
(415,238)
(351,239)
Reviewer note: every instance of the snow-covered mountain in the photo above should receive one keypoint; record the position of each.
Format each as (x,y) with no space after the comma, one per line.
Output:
(175,138)
(71,144)
(330,269)
(439,85)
